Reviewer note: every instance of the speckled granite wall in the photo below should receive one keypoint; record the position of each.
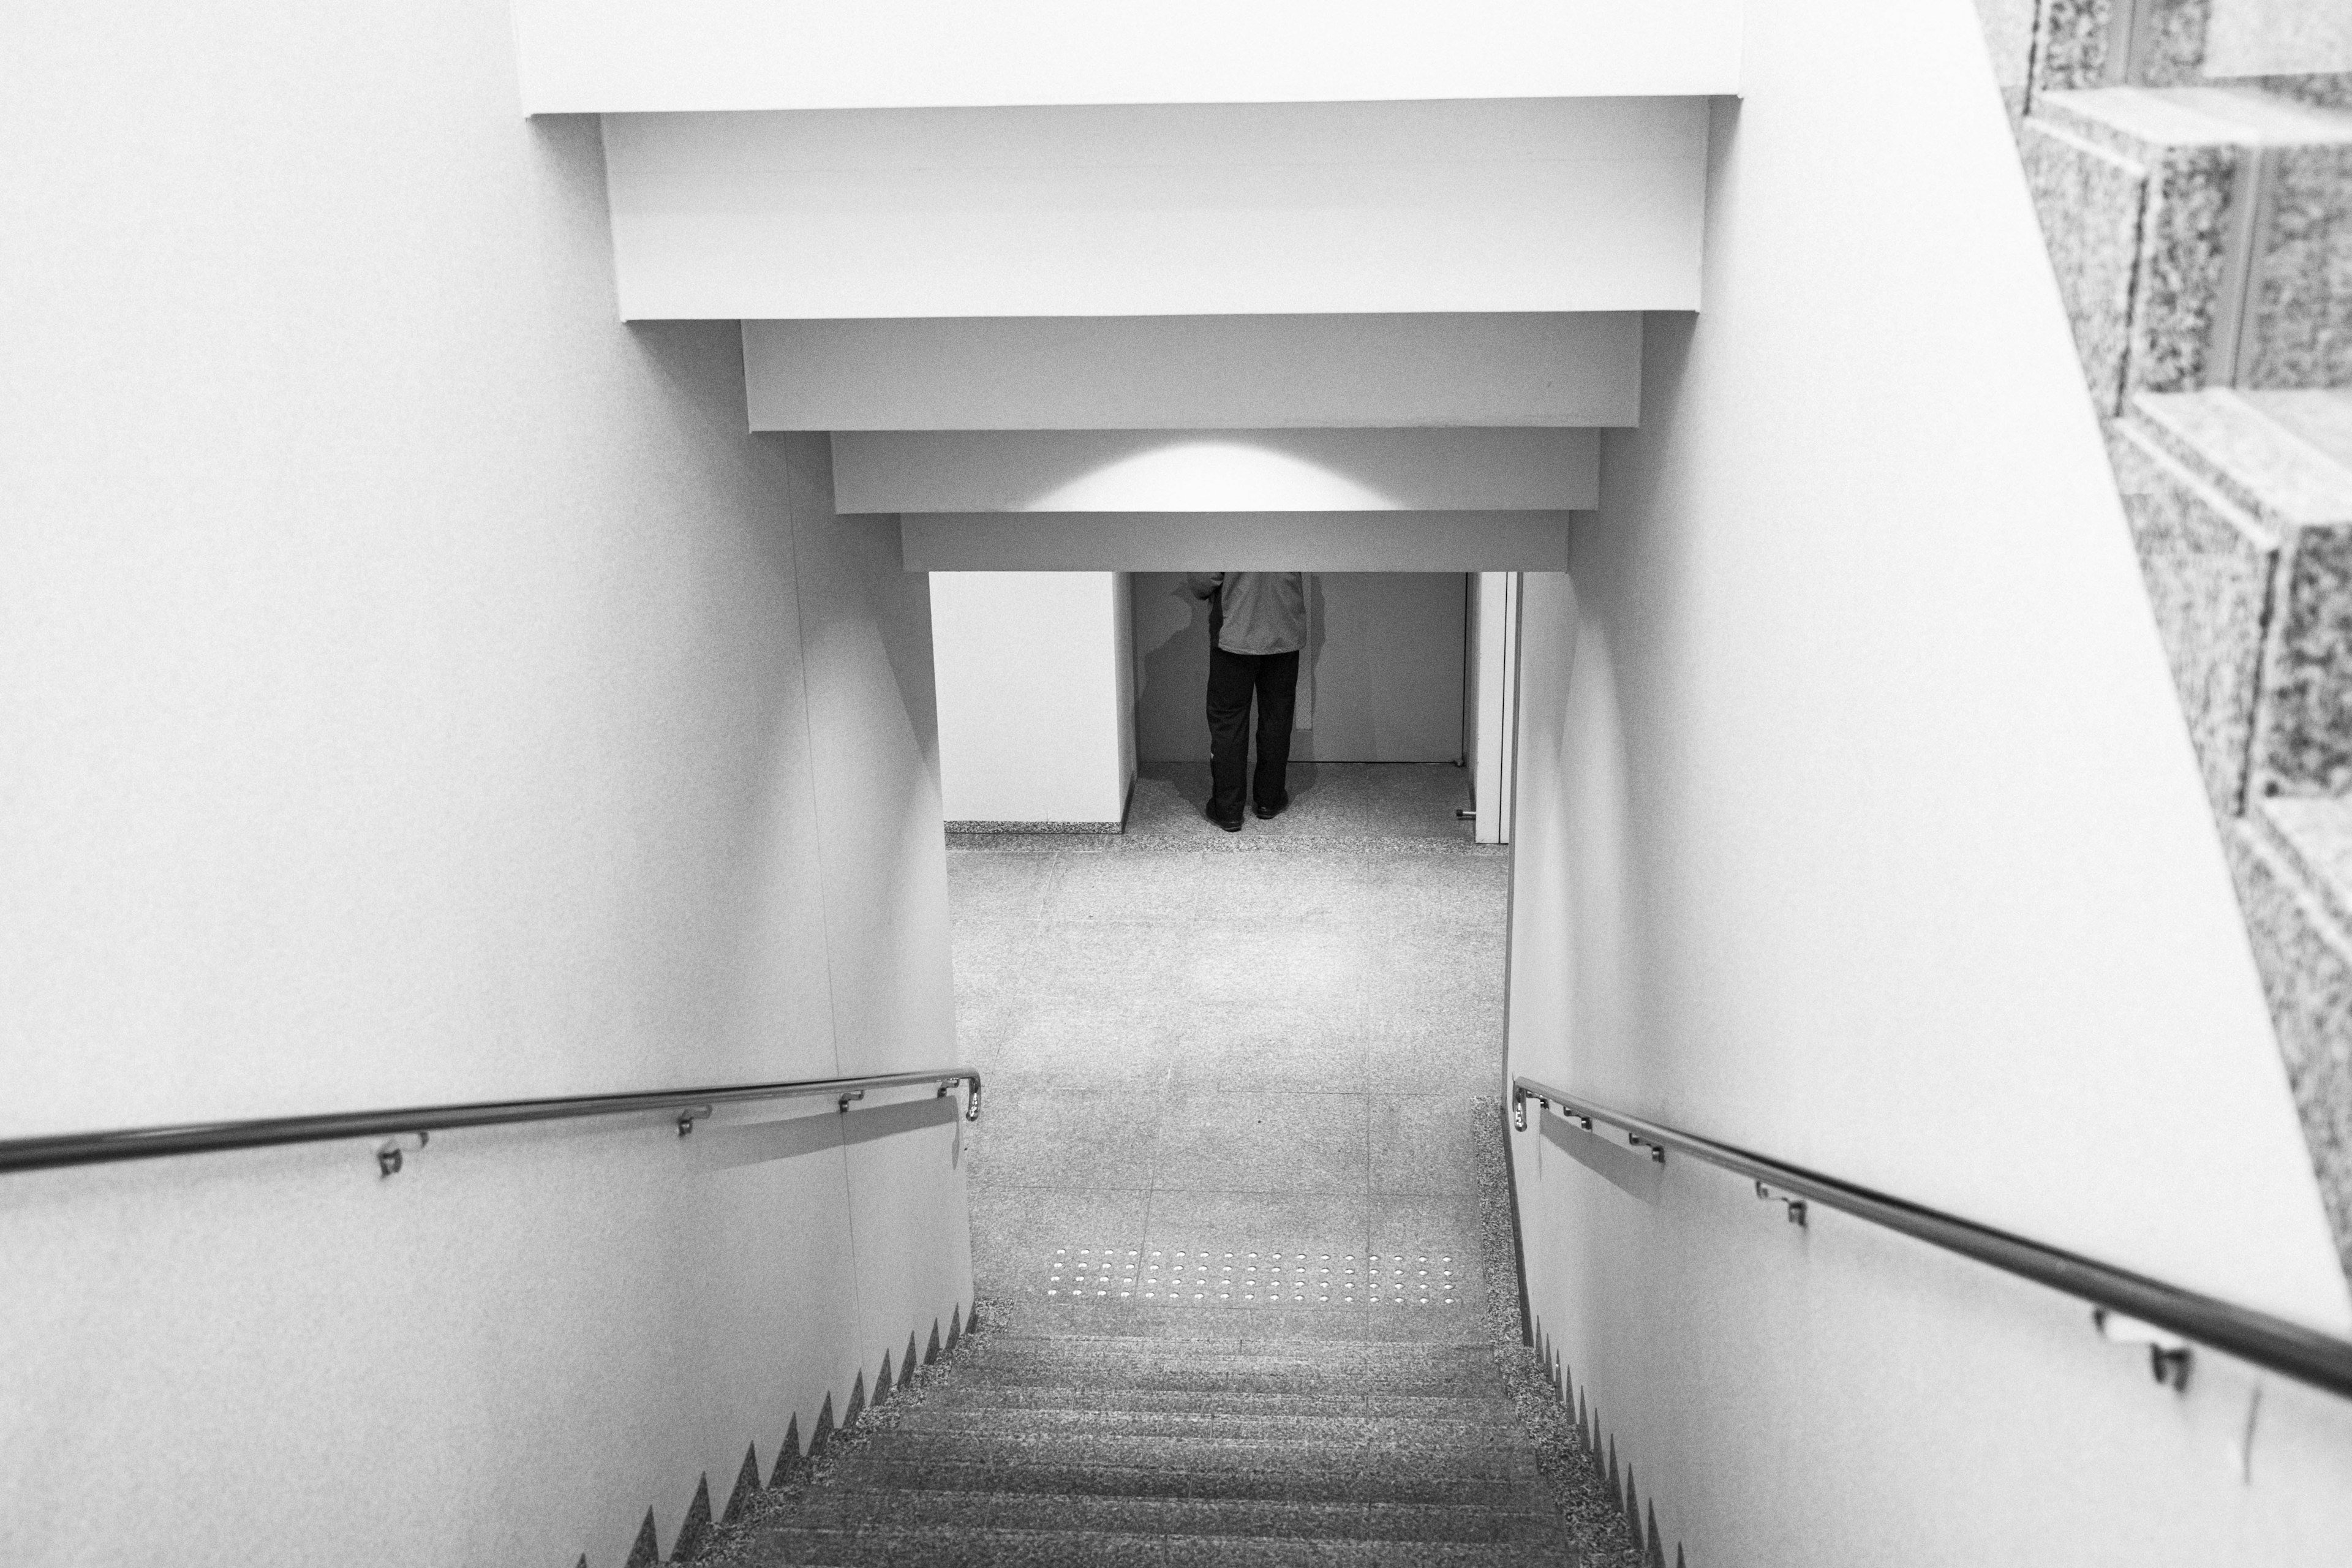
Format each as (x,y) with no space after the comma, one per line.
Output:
(2070,43)
(2132,211)
(2075,42)
(2089,200)
(2207,567)
(2331,90)
(2199,467)
(2199,236)
(2301,323)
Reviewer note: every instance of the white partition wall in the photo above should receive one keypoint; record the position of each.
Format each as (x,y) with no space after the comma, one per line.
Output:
(1036,720)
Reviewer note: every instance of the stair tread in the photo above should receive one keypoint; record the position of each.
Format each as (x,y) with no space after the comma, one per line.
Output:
(874,1473)
(1066,1511)
(1090,1397)
(2149,119)
(1242,1345)
(1246,1380)
(1290,1455)
(2264,451)
(953,1546)
(1360,1323)
(1384,1429)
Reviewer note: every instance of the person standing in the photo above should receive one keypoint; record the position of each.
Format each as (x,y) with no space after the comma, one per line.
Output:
(1257,625)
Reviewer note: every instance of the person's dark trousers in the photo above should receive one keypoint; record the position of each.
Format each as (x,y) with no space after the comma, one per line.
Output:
(1234,679)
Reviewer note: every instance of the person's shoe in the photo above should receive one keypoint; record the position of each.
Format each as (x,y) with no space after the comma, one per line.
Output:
(1267,812)
(1230,823)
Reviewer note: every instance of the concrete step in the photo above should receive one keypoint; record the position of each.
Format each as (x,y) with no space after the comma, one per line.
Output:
(2197,234)
(1380,1432)
(881,1472)
(865,1511)
(2241,504)
(944,1546)
(1336,1453)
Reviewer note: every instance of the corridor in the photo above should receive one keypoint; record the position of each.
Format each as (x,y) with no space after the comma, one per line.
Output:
(1286,1041)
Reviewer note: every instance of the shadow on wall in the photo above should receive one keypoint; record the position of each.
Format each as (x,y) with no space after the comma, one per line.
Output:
(1171,674)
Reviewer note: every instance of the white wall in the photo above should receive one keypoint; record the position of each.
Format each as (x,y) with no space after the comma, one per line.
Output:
(1159,209)
(1858,825)
(1036,706)
(1178,373)
(435,696)
(602,55)
(1506,470)
(1383,666)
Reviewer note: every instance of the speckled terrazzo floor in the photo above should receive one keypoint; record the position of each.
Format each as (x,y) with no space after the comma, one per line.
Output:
(1241,1245)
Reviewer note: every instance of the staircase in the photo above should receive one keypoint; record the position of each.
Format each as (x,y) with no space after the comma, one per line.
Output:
(1132,1449)
(2200,227)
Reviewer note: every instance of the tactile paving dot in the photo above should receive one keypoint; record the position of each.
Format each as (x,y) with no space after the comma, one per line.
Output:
(1245,1278)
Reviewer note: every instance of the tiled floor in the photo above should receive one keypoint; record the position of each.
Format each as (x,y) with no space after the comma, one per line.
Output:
(1191,1048)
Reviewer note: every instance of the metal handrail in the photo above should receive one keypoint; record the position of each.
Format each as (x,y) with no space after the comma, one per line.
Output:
(2273,1344)
(213,1137)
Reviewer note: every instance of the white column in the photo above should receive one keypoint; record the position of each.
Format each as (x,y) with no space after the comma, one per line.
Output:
(1036,696)
(1495,702)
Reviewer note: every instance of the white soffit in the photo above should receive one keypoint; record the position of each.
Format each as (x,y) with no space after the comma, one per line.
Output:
(1236,541)
(1144,372)
(1511,468)
(1150,210)
(605,55)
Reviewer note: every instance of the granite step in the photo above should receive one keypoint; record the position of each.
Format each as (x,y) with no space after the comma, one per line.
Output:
(1223,1340)
(1249,1455)
(1462,1322)
(949,1546)
(2094,43)
(863,1511)
(2241,506)
(2039,46)
(1352,1359)
(1389,1484)
(1139,1402)
(1386,1432)
(1243,1376)
(2197,233)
